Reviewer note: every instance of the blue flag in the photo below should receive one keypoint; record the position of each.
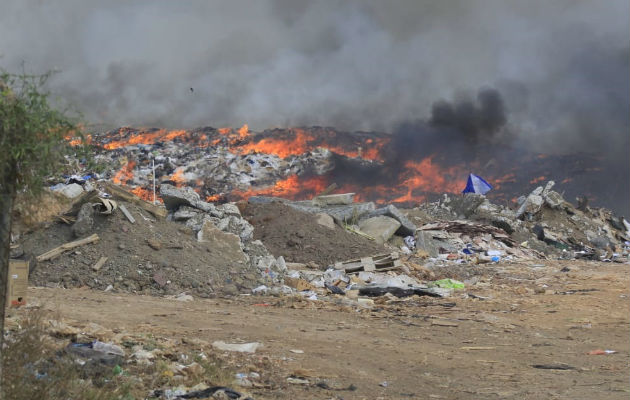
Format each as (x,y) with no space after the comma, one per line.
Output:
(477,184)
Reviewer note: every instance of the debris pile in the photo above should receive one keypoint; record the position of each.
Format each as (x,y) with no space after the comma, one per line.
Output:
(544,221)
(127,244)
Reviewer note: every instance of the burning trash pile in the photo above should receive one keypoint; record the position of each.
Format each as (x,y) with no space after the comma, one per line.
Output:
(193,240)
(228,164)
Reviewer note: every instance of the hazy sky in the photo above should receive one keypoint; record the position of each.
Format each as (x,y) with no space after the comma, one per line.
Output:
(561,66)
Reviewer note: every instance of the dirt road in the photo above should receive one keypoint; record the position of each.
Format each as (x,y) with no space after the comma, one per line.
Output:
(530,319)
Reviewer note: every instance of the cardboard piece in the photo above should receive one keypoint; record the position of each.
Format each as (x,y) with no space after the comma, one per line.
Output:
(18,282)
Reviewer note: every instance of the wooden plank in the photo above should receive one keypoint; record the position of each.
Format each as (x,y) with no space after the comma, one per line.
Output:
(119,192)
(99,264)
(66,246)
(127,214)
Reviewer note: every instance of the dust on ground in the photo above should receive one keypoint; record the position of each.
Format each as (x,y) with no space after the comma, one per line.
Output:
(518,331)
(296,236)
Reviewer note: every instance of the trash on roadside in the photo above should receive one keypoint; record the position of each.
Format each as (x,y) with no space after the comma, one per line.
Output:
(238,347)
(448,284)
(600,352)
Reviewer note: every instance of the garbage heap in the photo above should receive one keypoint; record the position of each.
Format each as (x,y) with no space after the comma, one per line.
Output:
(544,222)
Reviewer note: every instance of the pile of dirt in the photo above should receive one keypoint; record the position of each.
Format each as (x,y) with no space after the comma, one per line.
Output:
(151,256)
(298,237)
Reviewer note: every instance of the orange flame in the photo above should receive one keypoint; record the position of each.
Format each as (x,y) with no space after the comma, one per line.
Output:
(145,138)
(214,198)
(146,194)
(243,132)
(538,180)
(178,177)
(289,188)
(125,174)
(279,147)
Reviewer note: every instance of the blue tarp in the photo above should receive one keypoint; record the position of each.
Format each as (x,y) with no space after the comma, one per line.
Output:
(476,184)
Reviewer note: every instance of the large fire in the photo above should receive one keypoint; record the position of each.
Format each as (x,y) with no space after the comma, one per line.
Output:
(362,164)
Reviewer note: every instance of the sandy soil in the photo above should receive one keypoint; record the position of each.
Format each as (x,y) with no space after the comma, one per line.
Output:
(297,237)
(451,348)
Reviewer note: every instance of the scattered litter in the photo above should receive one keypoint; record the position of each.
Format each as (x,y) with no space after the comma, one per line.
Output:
(238,347)
(560,367)
(297,381)
(600,352)
(448,284)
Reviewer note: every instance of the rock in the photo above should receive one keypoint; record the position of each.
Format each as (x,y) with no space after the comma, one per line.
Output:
(228,244)
(425,242)
(538,191)
(553,199)
(547,188)
(160,278)
(334,199)
(230,209)
(532,204)
(70,191)
(406,228)
(185,213)
(85,221)
(174,197)
(600,242)
(381,228)
(346,213)
(154,244)
(467,204)
(237,226)
(205,207)
(325,220)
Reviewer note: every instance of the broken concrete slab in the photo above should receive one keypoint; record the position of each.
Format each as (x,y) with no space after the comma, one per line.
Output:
(185,213)
(407,228)
(381,228)
(425,241)
(553,199)
(347,214)
(228,244)
(334,199)
(229,209)
(532,204)
(174,197)
(237,226)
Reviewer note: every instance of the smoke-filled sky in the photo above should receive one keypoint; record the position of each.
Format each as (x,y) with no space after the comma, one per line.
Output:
(560,66)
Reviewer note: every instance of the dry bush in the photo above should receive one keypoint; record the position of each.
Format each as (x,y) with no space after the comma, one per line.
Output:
(35,368)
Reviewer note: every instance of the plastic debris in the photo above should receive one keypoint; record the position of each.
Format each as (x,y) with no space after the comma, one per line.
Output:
(238,347)
(448,284)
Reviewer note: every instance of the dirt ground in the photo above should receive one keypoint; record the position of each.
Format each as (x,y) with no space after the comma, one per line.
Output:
(525,336)
(294,235)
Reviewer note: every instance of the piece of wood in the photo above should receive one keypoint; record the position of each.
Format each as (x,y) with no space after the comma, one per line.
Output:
(99,264)
(127,214)
(119,192)
(67,246)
